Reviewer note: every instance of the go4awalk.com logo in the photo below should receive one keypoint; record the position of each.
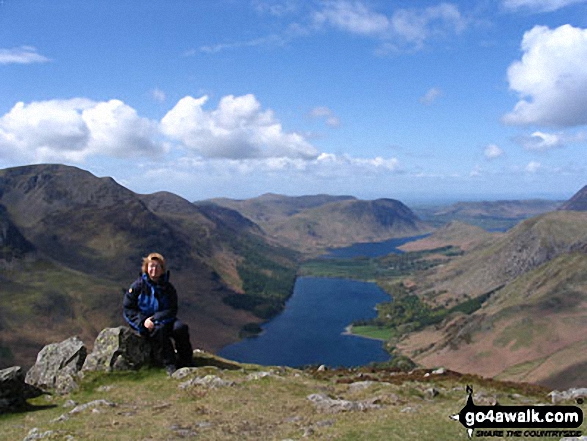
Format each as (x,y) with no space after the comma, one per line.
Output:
(519,421)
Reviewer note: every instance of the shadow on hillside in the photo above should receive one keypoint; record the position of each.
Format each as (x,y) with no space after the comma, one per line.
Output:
(31,408)
(573,376)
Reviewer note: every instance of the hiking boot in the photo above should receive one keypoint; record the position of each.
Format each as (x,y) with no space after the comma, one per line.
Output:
(170,369)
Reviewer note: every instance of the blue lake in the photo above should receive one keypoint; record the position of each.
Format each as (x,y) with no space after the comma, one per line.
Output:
(371,249)
(311,329)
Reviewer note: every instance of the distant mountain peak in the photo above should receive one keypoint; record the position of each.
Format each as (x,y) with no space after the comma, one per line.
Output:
(578,202)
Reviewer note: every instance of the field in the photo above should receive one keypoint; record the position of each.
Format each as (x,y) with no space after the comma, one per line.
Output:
(375,332)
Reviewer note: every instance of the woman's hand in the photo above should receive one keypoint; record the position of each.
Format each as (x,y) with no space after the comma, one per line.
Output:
(149,324)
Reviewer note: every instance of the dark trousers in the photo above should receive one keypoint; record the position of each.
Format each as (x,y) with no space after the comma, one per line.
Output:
(178,333)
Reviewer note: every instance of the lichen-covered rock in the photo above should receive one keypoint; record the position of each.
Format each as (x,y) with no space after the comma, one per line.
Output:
(117,349)
(209,381)
(14,391)
(58,365)
(324,403)
(568,395)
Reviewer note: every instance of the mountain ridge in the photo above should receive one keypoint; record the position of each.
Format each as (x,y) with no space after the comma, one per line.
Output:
(313,224)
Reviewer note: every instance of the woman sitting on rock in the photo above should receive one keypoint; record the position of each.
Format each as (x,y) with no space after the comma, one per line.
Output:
(150,308)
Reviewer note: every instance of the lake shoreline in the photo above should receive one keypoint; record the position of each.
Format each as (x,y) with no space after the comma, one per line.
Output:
(308,330)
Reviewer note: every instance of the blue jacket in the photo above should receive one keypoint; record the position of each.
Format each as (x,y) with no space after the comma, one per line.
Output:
(146,298)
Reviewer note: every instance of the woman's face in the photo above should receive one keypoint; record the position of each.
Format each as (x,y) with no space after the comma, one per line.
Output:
(154,270)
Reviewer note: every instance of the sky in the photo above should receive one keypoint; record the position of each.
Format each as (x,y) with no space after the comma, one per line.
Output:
(416,100)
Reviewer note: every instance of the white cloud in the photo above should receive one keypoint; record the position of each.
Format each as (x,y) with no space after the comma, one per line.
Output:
(374,164)
(550,78)
(72,130)
(238,129)
(275,8)
(405,27)
(47,130)
(237,143)
(158,95)
(270,40)
(539,5)
(322,112)
(118,131)
(333,121)
(493,151)
(476,172)
(21,55)
(353,17)
(541,141)
(391,164)
(431,96)
(417,26)
(533,167)
(200,178)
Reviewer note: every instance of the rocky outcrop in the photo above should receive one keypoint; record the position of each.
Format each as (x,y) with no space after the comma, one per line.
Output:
(14,391)
(120,349)
(57,366)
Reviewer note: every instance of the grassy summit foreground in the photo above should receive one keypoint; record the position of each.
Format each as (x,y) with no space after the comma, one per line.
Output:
(263,403)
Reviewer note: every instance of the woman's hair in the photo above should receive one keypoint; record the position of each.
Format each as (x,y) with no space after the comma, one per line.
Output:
(153,257)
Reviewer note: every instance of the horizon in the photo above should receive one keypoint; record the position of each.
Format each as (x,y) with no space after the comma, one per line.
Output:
(420,201)
(412,100)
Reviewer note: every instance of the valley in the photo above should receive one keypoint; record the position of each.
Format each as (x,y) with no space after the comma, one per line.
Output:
(507,304)
(71,243)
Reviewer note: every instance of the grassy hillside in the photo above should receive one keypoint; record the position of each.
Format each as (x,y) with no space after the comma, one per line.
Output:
(43,302)
(268,403)
(532,330)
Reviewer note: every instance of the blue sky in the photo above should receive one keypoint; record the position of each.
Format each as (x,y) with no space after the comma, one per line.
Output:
(413,100)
